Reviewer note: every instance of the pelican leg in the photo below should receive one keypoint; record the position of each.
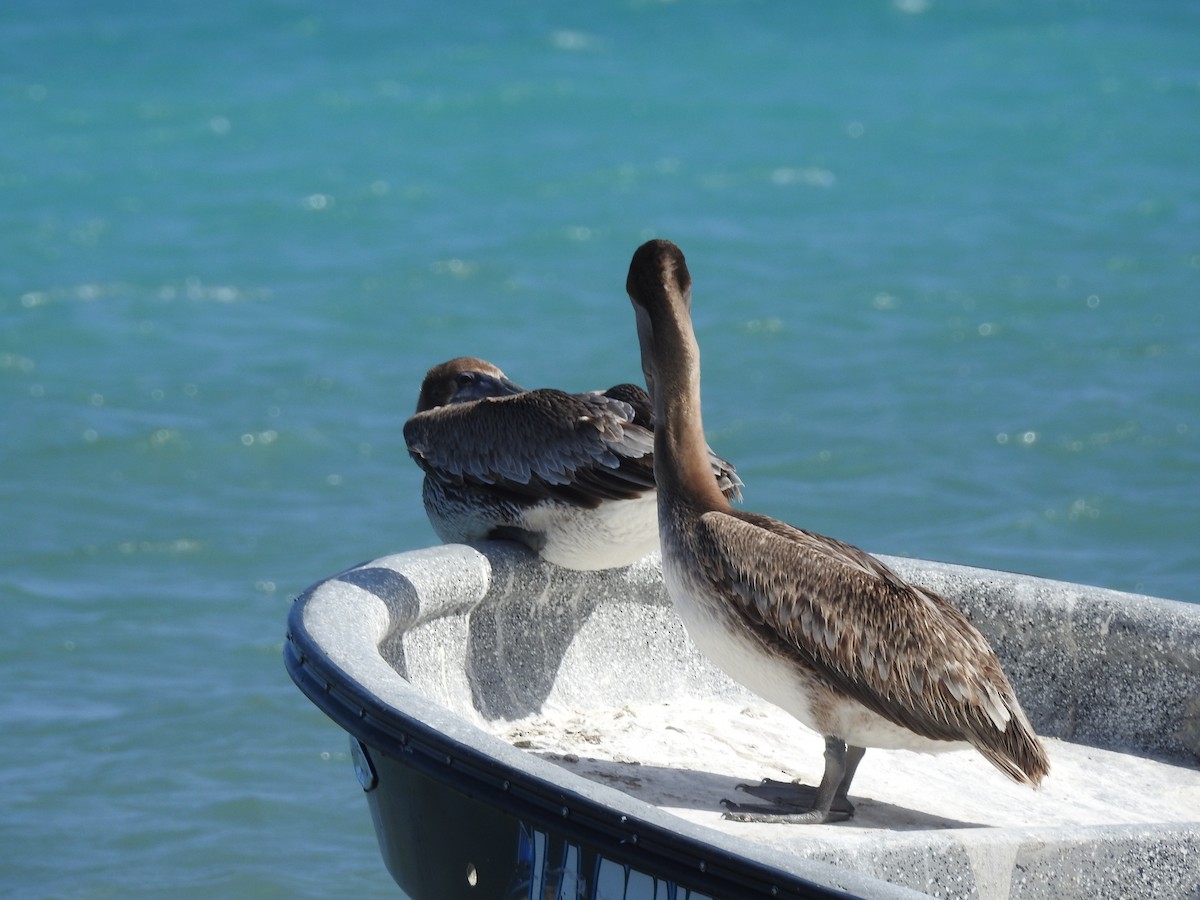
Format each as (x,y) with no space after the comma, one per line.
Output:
(799,804)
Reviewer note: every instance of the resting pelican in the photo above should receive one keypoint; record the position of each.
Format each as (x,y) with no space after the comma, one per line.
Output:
(570,475)
(813,625)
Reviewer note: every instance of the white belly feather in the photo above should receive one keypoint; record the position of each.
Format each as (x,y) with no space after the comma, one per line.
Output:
(616,533)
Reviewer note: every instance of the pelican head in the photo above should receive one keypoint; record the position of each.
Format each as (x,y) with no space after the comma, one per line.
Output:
(461,380)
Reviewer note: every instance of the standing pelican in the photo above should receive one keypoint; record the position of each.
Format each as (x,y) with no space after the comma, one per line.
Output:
(570,475)
(815,626)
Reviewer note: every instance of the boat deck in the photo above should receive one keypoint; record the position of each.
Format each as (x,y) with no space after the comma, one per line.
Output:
(685,756)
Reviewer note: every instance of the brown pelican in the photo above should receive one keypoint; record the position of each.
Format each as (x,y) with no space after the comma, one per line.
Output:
(813,625)
(571,475)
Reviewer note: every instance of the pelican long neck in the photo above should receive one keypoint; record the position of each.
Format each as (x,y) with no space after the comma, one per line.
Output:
(682,467)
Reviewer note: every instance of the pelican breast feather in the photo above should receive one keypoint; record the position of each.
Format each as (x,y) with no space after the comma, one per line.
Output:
(903,652)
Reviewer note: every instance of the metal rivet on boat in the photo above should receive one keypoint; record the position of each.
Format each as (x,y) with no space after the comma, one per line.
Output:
(472,875)
(363,768)
(565,812)
(505,785)
(703,866)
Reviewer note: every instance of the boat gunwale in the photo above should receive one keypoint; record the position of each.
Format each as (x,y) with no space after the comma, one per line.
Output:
(443,745)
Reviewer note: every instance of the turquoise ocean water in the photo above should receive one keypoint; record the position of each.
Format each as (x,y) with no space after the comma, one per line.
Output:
(946,262)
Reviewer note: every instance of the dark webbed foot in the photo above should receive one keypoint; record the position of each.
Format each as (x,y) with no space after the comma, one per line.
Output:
(787,803)
(784,798)
(798,804)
